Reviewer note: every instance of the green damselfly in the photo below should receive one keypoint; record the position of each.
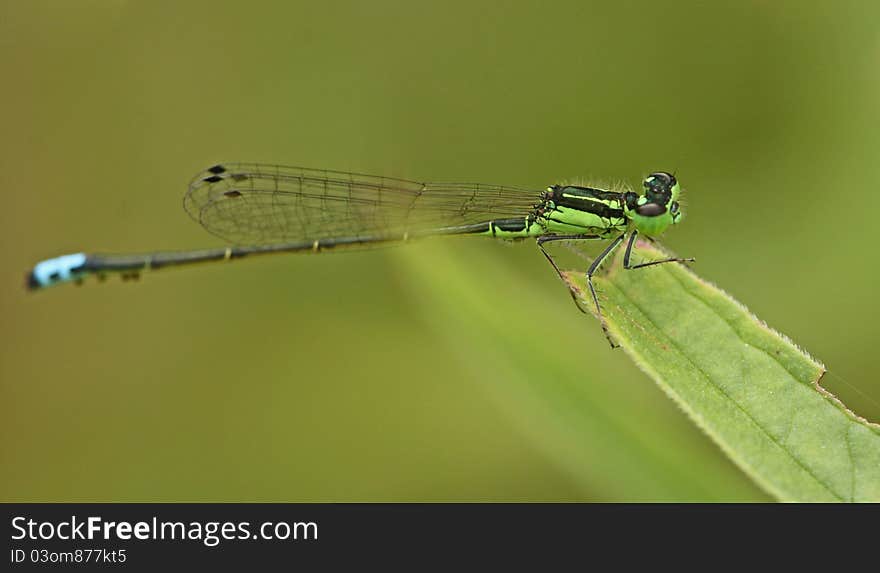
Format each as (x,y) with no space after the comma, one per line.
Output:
(265,209)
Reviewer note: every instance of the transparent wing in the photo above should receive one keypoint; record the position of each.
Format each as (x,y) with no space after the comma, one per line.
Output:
(248,203)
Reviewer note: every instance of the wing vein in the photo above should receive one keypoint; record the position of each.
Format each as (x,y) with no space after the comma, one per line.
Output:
(247,203)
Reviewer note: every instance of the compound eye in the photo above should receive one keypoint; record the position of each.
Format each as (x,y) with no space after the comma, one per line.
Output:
(659,182)
(650,210)
(657,179)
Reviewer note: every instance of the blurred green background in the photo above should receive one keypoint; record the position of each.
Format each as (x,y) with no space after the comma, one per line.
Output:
(364,376)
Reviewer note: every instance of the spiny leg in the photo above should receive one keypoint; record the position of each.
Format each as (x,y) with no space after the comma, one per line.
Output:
(590,272)
(629,246)
(550,238)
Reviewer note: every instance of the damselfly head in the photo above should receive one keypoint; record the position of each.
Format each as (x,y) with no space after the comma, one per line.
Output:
(658,207)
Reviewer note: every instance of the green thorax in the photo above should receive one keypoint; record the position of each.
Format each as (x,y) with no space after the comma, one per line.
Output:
(587,211)
(567,209)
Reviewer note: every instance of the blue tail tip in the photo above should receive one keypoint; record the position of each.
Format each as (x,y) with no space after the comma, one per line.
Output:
(55,271)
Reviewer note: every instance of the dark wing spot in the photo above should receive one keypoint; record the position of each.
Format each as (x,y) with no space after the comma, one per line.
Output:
(238,176)
(212,179)
(217,169)
(232,193)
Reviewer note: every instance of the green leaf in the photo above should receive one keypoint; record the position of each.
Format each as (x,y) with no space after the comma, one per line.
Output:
(750,388)
(501,314)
